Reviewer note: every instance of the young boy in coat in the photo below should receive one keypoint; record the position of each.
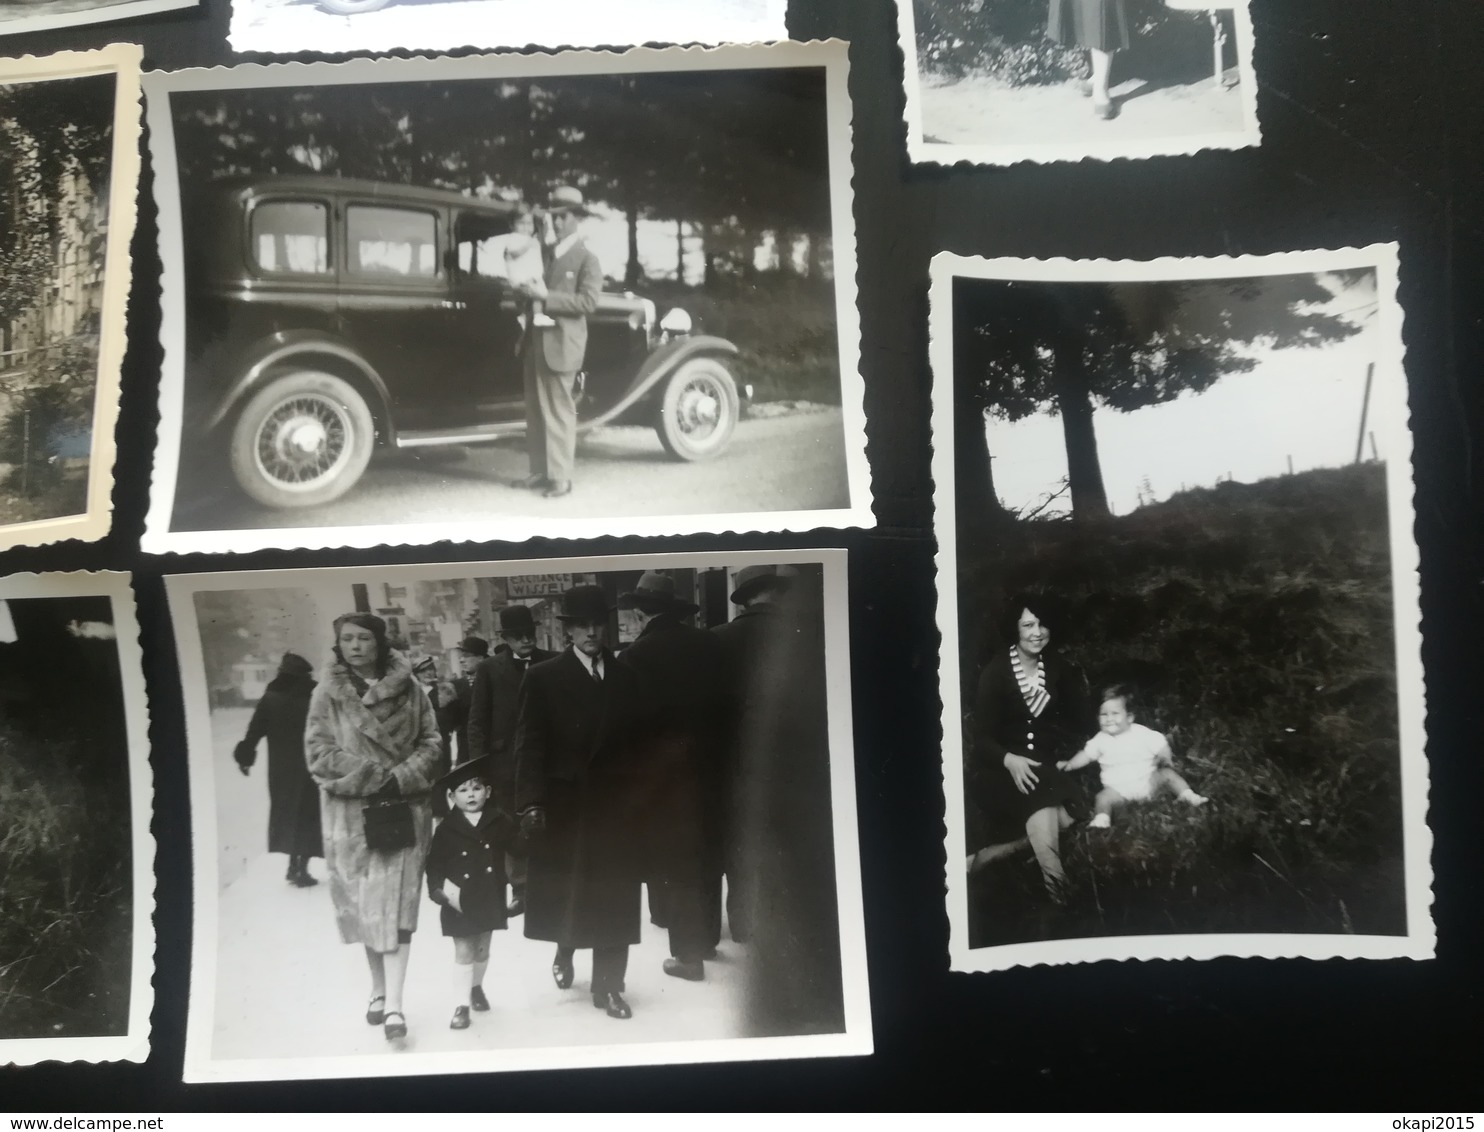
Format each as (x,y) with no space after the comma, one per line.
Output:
(466,878)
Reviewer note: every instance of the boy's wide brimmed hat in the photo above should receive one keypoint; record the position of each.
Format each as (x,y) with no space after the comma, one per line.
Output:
(474,646)
(482,767)
(753,580)
(655,593)
(564,198)
(584,603)
(516,620)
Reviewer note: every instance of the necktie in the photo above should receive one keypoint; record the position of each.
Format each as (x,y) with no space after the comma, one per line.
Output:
(598,671)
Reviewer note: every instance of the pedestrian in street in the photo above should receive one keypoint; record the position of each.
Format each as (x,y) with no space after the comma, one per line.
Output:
(440,695)
(472,652)
(492,712)
(466,879)
(293,798)
(684,675)
(1099,27)
(372,745)
(553,355)
(576,760)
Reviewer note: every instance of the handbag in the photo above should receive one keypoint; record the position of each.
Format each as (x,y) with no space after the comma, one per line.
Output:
(388,825)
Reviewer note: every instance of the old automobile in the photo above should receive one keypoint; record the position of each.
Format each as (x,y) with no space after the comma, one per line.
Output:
(327,318)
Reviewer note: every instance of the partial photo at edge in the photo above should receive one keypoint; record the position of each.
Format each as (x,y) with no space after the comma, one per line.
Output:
(740,555)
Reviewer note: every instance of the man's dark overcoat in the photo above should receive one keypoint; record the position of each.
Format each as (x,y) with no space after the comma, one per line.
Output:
(293,798)
(577,757)
(493,703)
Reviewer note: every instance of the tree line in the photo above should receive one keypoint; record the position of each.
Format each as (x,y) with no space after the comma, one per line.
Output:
(733,155)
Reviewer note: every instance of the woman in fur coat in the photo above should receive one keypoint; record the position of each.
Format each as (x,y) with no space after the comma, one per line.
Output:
(371,734)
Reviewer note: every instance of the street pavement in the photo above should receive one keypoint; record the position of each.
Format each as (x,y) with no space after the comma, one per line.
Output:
(287,987)
(780,463)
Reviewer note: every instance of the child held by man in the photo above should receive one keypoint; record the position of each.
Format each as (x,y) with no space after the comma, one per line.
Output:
(466,877)
(1135,762)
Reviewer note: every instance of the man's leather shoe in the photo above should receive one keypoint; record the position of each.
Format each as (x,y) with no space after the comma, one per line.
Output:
(532,482)
(691,972)
(561,974)
(613,1003)
(558,489)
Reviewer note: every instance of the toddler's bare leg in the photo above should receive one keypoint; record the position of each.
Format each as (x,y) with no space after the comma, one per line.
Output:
(1107,799)
(1043,829)
(1167,778)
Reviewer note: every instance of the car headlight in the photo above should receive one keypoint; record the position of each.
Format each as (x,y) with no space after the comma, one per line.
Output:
(676,321)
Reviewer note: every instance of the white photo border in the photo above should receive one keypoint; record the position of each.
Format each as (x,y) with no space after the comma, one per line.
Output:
(200,1066)
(923,152)
(96,15)
(354,34)
(133,1044)
(1391,420)
(123,61)
(831,55)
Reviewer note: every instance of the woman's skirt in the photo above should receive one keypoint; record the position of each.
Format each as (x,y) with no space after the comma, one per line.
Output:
(1097,25)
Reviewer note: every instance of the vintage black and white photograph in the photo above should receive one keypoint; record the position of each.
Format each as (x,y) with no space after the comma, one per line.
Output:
(486,817)
(995,82)
(1181,676)
(18,16)
(76,856)
(69,165)
(500,297)
(285,26)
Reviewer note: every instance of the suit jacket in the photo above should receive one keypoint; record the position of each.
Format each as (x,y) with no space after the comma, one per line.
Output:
(573,283)
(494,701)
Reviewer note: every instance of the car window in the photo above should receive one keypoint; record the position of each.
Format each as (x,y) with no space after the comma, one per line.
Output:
(291,236)
(391,241)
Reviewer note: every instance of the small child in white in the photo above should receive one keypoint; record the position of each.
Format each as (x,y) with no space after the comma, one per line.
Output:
(1134,761)
(520,252)
(466,877)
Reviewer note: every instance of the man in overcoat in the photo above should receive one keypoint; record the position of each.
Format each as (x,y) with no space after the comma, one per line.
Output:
(576,763)
(683,668)
(553,355)
(492,712)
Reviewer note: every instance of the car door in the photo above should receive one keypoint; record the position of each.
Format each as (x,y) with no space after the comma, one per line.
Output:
(486,325)
(394,304)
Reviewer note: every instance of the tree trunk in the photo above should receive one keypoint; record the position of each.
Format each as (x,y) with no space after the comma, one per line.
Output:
(1074,402)
(633,273)
(680,251)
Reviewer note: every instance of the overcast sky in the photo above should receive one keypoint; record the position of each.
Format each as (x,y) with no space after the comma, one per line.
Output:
(1303,403)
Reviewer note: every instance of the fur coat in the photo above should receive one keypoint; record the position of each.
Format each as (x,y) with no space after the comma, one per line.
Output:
(354,745)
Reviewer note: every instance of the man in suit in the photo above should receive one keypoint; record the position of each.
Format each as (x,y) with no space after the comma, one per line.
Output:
(454,719)
(553,355)
(492,709)
(576,762)
(684,673)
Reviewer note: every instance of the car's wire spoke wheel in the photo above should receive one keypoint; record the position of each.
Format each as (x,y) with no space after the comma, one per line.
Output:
(304,440)
(699,410)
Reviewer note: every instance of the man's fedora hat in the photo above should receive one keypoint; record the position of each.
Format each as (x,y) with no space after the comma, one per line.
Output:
(474,646)
(753,580)
(564,198)
(655,593)
(516,621)
(584,603)
(483,767)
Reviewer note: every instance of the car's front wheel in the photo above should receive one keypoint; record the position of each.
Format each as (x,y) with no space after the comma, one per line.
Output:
(303,440)
(352,7)
(699,410)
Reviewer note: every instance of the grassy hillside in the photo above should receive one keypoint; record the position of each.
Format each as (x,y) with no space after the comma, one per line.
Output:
(65,903)
(1257,621)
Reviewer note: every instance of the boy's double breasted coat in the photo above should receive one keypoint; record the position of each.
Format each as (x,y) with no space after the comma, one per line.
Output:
(472,856)
(576,756)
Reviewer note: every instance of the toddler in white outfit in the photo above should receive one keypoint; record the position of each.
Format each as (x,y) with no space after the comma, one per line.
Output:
(1134,761)
(520,256)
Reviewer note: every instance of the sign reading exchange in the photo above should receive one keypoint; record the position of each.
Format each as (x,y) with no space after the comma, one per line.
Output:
(537,585)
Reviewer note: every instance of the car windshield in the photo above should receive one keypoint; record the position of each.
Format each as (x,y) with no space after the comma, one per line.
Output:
(291,236)
(391,241)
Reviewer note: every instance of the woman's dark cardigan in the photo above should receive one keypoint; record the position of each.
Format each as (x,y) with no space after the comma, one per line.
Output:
(1003,724)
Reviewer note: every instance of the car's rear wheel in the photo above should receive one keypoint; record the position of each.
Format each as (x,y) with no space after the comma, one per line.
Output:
(699,410)
(352,7)
(303,440)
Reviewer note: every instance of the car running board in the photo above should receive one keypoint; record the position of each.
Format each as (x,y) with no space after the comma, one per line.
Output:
(431,438)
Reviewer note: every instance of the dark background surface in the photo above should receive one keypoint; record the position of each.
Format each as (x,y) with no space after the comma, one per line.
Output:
(1372,131)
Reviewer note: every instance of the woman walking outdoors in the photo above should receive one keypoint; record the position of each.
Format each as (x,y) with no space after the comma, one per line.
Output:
(1099,27)
(373,747)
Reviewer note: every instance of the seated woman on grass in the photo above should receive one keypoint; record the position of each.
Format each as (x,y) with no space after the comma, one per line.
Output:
(1134,761)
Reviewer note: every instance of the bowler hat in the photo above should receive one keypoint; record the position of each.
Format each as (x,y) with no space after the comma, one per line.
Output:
(516,620)
(474,646)
(584,603)
(483,767)
(564,198)
(655,593)
(753,580)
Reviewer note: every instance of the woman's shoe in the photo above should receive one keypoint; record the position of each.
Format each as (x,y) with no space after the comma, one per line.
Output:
(460,1018)
(375,1015)
(1107,111)
(397,1029)
(477,999)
